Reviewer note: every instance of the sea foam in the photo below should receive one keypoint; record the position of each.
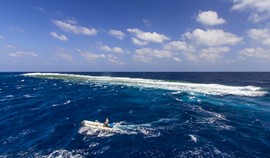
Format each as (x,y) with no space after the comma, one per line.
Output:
(210,89)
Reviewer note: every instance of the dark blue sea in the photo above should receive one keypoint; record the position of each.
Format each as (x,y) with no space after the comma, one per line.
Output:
(157,114)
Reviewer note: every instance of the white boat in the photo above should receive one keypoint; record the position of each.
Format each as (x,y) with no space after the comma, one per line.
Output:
(96,125)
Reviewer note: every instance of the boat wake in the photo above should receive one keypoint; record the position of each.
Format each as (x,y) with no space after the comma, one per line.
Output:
(121,128)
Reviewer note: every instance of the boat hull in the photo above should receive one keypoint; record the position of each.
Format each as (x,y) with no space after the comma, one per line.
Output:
(95,125)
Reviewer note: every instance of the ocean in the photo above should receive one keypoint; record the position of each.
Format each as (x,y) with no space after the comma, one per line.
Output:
(156,114)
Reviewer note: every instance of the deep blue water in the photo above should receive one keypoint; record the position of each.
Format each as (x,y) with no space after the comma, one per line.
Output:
(158,115)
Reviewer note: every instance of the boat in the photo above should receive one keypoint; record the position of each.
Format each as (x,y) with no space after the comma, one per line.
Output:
(97,125)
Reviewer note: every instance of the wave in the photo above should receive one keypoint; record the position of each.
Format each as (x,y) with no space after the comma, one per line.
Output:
(210,89)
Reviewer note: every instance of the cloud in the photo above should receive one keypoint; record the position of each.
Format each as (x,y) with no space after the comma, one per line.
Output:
(41,9)
(177,59)
(179,46)
(147,54)
(191,57)
(259,53)
(71,26)
(138,42)
(118,34)
(92,56)
(113,59)
(64,55)
(261,35)
(58,36)
(213,53)
(2,37)
(209,18)
(61,53)
(10,46)
(147,37)
(19,54)
(16,29)
(114,49)
(260,8)
(212,37)
(147,23)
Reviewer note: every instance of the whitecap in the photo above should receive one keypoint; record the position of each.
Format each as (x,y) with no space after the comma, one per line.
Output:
(192,88)
(102,150)
(67,102)
(191,97)
(193,138)
(177,99)
(28,96)
(94,144)
(65,153)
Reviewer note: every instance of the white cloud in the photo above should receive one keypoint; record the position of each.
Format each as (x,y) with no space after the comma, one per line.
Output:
(19,54)
(116,62)
(118,34)
(213,53)
(177,59)
(58,36)
(114,49)
(191,57)
(91,56)
(2,37)
(71,26)
(16,29)
(259,53)
(212,37)
(179,46)
(138,42)
(147,37)
(210,18)
(62,53)
(10,46)
(260,8)
(41,9)
(262,35)
(113,59)
(147,54)
(147,23)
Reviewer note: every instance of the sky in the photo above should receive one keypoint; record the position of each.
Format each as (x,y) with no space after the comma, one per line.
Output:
(138,35)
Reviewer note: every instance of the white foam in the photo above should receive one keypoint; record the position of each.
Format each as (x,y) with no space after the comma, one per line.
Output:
(61,153)
(102,150)
(67,102)
(10,96)
(193,138)
(28,96)
(123,128)
(94,132)
(177,99)
(211,89)
(94,144)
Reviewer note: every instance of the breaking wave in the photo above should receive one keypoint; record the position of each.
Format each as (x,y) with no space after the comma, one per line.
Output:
(210,89)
